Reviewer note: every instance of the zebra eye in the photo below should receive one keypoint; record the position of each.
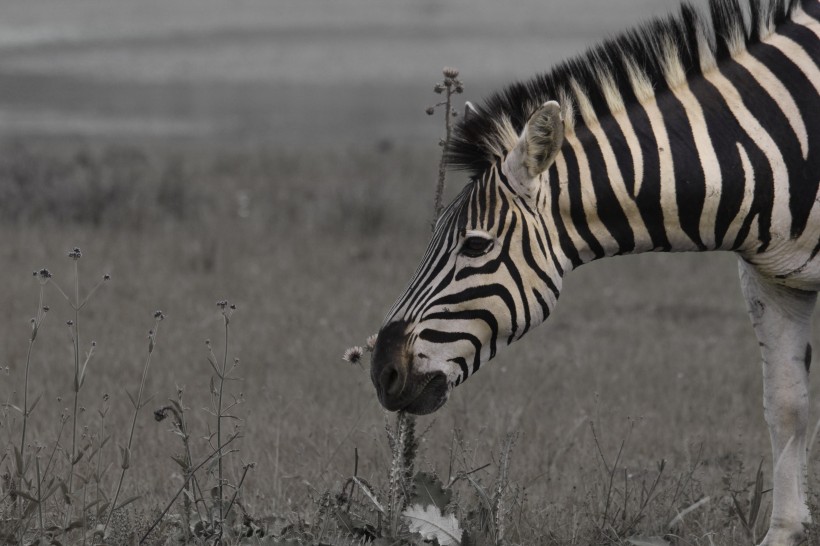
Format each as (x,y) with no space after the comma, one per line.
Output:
(474,247)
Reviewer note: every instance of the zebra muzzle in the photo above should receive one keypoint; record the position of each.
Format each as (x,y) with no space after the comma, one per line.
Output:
(398,386)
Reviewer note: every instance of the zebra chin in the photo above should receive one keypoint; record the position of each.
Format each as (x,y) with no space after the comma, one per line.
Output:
(398,385)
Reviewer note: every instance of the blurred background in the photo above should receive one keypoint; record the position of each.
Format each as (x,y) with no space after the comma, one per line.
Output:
(287,72)
(277,154)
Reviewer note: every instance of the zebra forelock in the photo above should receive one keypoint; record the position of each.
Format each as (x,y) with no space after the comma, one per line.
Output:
(629,68)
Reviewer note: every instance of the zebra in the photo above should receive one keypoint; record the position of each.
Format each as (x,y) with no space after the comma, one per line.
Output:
(694,132)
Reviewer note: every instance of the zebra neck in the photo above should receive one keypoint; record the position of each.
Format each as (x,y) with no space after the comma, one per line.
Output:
(720,162)
(617,193)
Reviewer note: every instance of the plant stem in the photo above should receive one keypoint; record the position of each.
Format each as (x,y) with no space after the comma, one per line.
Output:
(238,487)
(219,424)
(193,471)
(76,327)
(99,463)
(35,327)
(442,164)
(39,495)
(28,365)
(126,463)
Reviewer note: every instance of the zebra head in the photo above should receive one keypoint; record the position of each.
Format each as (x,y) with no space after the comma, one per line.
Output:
(487,277)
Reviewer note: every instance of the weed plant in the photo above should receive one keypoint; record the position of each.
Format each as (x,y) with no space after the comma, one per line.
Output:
(63,493)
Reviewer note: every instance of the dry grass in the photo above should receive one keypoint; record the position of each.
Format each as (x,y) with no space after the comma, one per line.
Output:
(655,350)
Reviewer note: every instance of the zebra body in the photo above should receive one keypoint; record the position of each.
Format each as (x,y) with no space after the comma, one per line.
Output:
(681,136)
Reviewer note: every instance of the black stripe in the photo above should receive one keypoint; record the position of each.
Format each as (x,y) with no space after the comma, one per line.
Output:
(529,258)
(436,336)
(623,154)
(545,309)
(564,241)
(576,205)
(515,276)
(724,133)
(803,184)
(470,314)
(475,293)
(690,185)
(763,193)
(548,243)
(775,123)
(465,370)
(491,212)
(608,208)
(649,196)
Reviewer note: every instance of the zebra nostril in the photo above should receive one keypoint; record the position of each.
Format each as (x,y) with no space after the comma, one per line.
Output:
(391,381)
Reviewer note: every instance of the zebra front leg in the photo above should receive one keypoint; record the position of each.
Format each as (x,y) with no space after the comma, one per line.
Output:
(781,318)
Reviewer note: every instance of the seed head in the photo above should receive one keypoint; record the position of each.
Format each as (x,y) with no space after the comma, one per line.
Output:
(106,277)
(222,304)
(44,275)
(371,342)
(75,254)
(354,355)
(450,72)
(161,413)
(430,111)
(159,315)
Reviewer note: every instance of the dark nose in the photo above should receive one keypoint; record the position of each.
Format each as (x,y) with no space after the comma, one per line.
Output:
(388,370)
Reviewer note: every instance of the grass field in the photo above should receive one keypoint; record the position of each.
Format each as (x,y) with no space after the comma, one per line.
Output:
(204,154)
(654,351)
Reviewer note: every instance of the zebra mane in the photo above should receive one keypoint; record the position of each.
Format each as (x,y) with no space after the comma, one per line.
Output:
(632,67)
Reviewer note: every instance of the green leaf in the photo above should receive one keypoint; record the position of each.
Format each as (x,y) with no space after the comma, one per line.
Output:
(34,404)
(180,461)
(431,524)
(125,457)
(133,402)
(429,491)
(365,487)
(126,502)
(24,495)
(15,408)
(18,461)
(29,509)
(147,401)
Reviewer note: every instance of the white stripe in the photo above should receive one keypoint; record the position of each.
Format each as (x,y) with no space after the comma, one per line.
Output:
(778,92)
(781,215)
(584,252)
(590,201)
(545,212)
(804,19)
(628,130)
(626,201)
(748,177)
(713,180)
(669,204)
(798,55)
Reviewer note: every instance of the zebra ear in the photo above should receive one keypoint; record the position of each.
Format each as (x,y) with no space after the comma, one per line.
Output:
(538,144)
